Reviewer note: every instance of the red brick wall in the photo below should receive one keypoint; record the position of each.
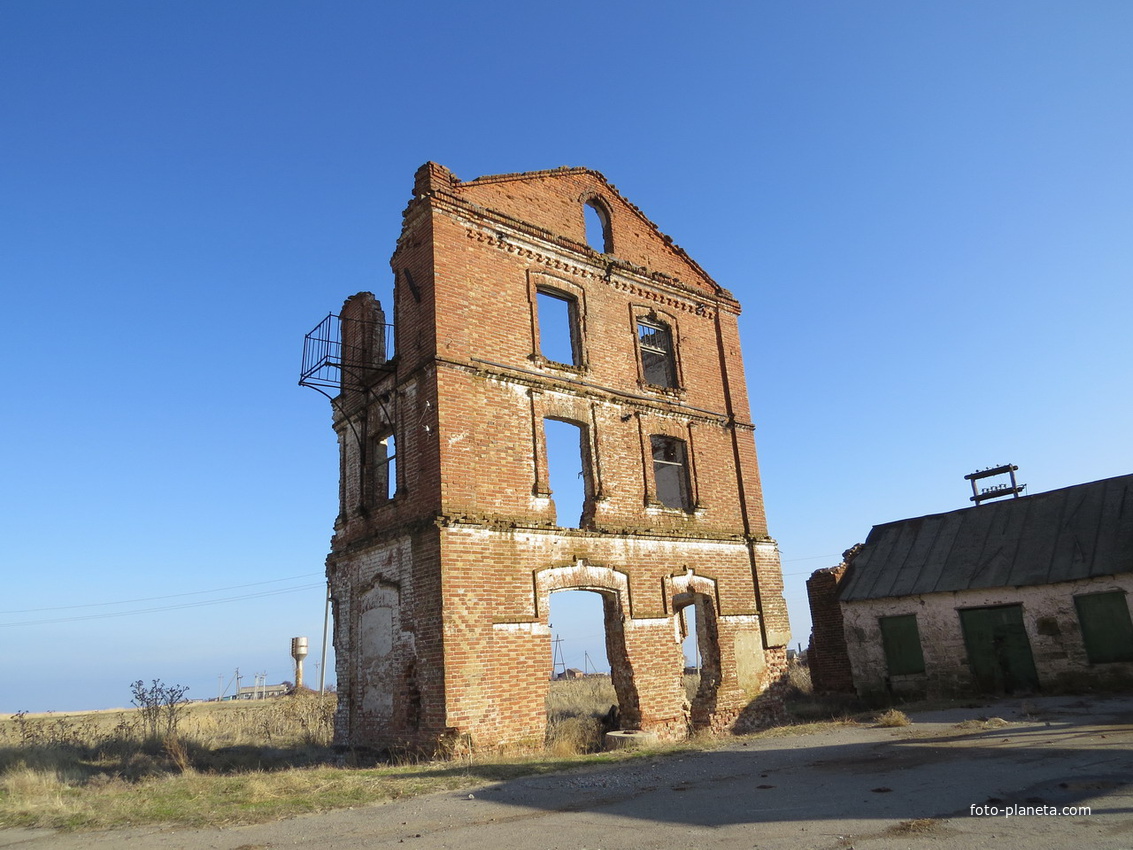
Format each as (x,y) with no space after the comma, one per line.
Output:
(827,656)
(468,548)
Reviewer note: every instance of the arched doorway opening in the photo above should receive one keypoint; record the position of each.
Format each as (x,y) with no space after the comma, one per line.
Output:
(611,588)
(582,703)
(697,631)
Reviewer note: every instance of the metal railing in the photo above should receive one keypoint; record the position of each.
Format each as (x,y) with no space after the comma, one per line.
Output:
(340,353)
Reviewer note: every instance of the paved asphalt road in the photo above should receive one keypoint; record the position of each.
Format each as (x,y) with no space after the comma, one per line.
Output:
(851,787)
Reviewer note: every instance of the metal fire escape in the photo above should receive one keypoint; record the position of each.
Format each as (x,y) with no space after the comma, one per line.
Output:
(346,354)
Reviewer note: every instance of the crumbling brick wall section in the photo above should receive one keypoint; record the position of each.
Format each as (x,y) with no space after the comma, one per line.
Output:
(827,656)
(448,543)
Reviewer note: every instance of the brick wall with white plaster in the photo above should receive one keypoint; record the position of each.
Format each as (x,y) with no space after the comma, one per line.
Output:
(1049,617)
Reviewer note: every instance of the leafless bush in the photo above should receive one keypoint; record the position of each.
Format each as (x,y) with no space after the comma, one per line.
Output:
(162,706)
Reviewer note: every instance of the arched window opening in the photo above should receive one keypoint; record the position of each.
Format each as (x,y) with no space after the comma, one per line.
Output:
(568,472)
(598,234)
(582,704)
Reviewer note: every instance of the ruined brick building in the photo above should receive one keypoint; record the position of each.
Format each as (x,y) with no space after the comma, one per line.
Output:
(1028,594)
(448,542)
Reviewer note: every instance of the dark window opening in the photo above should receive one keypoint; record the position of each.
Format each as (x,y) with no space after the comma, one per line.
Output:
(1107,629)
(558,327)
(670,471)
(657,361)
(567,472)
(598,234)
(902,642)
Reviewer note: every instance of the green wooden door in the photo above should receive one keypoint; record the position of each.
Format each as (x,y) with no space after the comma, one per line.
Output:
(999,653)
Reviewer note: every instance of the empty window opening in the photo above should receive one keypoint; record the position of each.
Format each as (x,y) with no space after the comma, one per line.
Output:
(658,364)
(380,465)
(670,471)
(1107,630)
(558,327)
(568,472)
(689,644)
(598,234)
(691,647)
(582,704)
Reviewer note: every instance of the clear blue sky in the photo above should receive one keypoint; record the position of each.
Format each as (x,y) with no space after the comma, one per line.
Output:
(925,208)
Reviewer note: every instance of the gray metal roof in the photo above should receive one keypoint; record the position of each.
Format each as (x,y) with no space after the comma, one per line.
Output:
(1062,535)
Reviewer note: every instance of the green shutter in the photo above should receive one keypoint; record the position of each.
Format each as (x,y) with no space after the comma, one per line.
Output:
(1106,628)
(902,642)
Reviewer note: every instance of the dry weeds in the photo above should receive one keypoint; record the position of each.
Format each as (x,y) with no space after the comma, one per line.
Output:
(892,718)
(252,762)
(578,712)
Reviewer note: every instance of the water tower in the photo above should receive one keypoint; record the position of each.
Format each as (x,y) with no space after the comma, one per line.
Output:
(298,652)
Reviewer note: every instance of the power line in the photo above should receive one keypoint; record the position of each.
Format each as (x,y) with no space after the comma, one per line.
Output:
(155,598)
(202,603)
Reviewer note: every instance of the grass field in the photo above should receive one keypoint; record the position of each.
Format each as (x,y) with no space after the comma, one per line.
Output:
(249,762)
(243,762)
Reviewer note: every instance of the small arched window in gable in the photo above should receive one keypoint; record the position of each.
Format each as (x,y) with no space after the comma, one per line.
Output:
(598,234)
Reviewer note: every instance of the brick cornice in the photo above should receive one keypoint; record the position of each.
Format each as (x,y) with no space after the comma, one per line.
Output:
(510,234)
(585,389)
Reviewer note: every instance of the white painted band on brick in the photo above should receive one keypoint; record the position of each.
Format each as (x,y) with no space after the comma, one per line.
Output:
(522,628)
(739,619)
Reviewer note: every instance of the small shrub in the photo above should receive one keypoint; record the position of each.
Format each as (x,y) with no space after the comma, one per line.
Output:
(162,706)
(893,718)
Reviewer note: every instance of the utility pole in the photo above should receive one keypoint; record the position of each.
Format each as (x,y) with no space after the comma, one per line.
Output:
(323,660)
(557,658)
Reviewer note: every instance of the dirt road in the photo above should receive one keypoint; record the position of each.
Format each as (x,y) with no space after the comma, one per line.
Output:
(850,787)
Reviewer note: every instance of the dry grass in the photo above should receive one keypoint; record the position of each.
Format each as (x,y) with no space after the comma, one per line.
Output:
(983,723)
(305,719)
(258,761)
(918,826)
(246,762)
(577,715)
(100,769)
(798,677)
(892,718)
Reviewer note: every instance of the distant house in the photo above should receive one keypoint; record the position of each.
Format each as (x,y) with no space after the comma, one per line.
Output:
(1024,594)
(260,692)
